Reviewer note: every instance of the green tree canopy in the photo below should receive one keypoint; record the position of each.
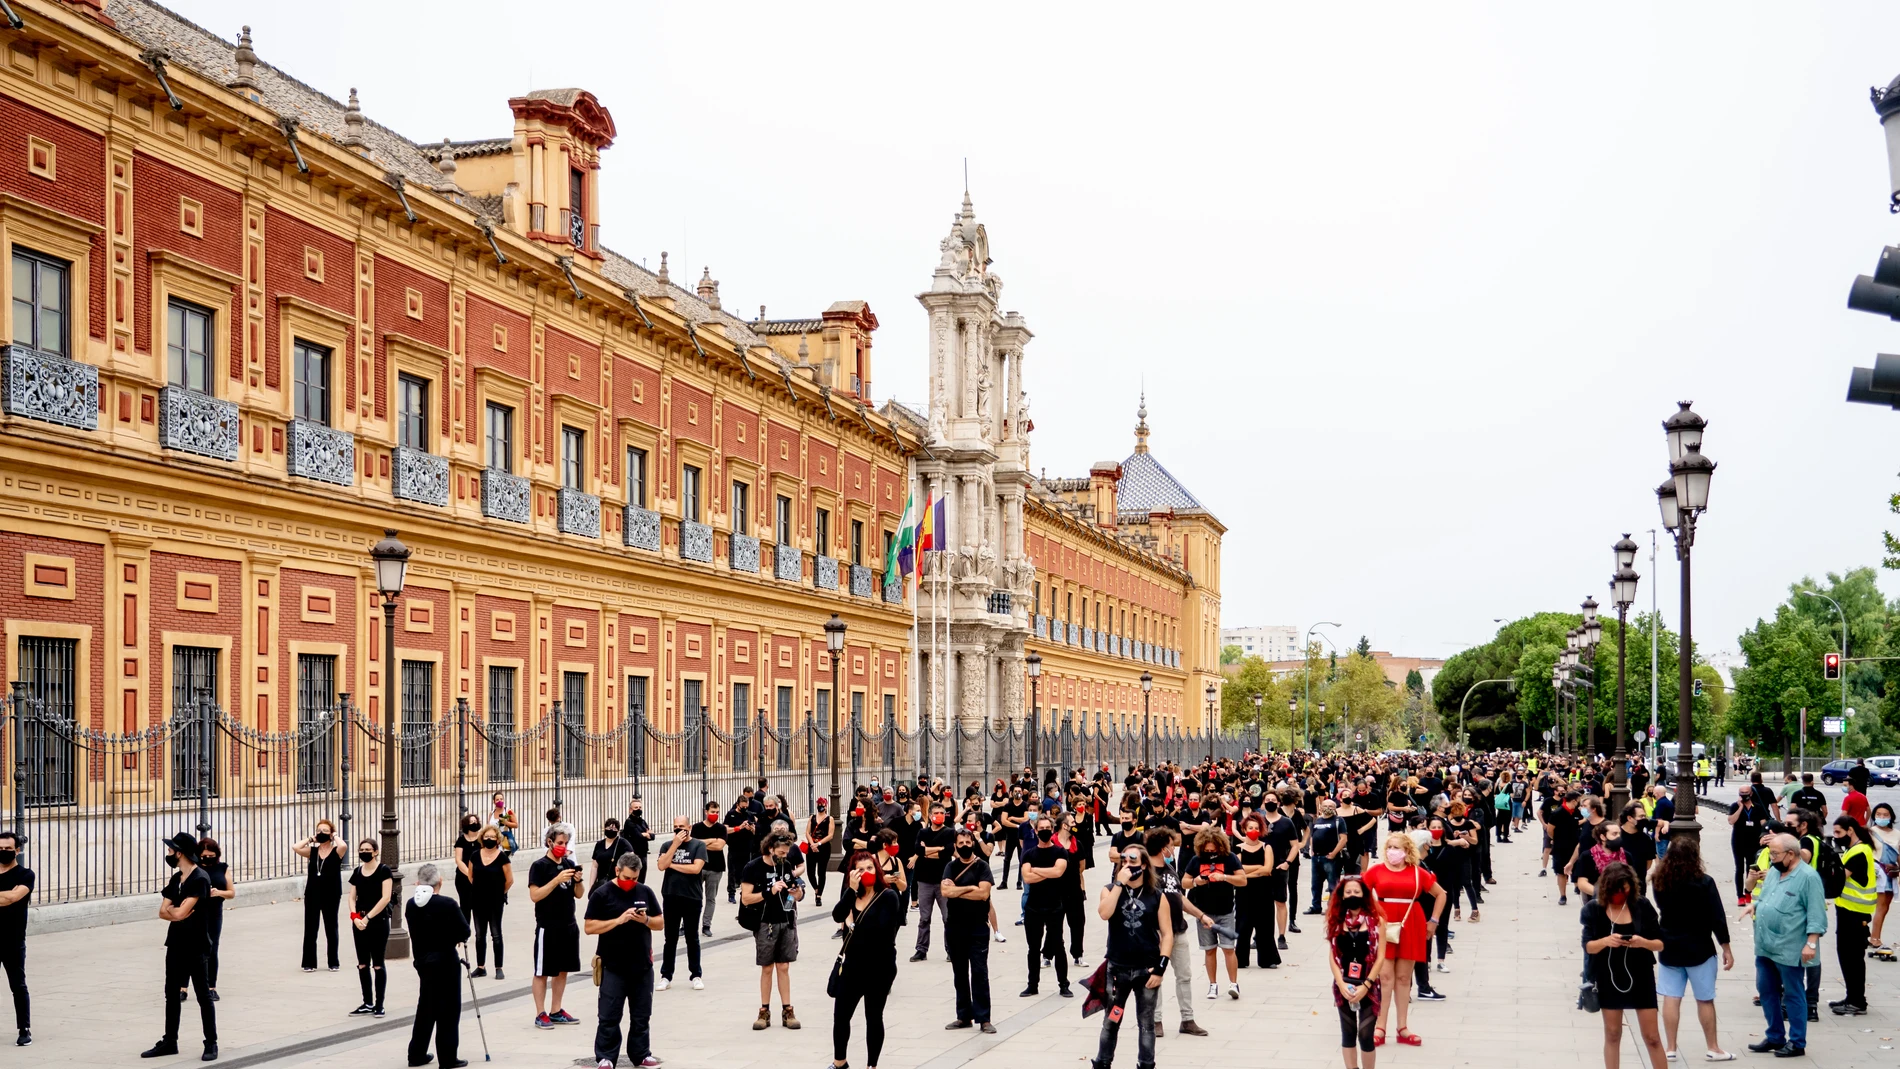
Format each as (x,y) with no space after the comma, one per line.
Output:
(1230,655)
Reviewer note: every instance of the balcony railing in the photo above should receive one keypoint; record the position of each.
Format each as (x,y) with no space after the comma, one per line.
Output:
(894,593)
(1040,625)
(742,553)
(788,563)
(576,229)
(999,602)
(506,496)
(193,422)
(578,513)
(860,581)
(419,476)
(640,528)
(46,387)
(1075,635)
(824,573)
(321,453)
(696,542)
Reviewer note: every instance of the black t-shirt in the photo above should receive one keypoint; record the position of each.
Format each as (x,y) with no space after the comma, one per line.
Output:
(759,872)
(466,850)
(1325,834)
(1563,822)
(606,852)
(369,890)
(556,908)
(967,915)
(626,949)
(1045,896)
(715,856)
(13,917)
(1134,932)
(1641,850)
(1216,899)
(930,870)
(1170,883)
(677,884)
(1279,838)
(1811,800)
(190,935)
(219,875)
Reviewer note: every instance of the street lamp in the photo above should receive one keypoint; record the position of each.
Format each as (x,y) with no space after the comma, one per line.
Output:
(834,645)
(1147,724)
(1257,699)
(1309,721)
(1307,652)
(1034,663)
(1837,608)
(392,568)
(1690,473)
(1292,708)
(1463,742)
(1623,594)
(1212,692)
(1592,635)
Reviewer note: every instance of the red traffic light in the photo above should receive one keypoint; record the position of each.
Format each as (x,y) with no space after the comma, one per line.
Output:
(1831,666)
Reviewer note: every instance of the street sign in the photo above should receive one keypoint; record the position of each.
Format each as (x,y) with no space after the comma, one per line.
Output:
(1549,733)
(1641,738)
(1358,736)
(1833,726)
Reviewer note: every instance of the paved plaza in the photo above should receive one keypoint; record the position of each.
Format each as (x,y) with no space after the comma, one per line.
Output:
(1512,990)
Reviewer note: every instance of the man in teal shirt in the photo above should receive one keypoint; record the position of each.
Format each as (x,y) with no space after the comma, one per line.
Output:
(1790,911)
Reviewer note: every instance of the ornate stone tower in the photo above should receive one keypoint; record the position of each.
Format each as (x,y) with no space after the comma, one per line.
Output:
(974,593)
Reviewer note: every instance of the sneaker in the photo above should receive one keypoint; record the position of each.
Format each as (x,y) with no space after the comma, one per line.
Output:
(499,975)
(1294,928)
(1850,1009)
(604,1063)
(649,1062)
(1066,991)
(821,901)
(214,995)
(1442,967)
(363,1011)
(1079,961)
(211,1051)
(477,972)
(1000,937)
(1213,991)
(1189,1028)
(1282,943)
(920,956)
(1047,961)
(706,929)
(1233,992)
(563,1017)
(838,933)
(1019,924)
(1814,1014)
(698,984)
(662,984)
(377,1012)
(1543,873)
(1432,995)
(954,1025)
(987,1028)
(26,1038)
(1563,900)
(764,1020)
(542,1020)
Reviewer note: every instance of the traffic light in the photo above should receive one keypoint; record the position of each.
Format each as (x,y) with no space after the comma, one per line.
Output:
(1831,666)
(1695,689)
(1880,384)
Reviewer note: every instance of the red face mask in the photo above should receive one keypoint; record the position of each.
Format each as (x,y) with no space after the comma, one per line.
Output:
(891,849)
(1194,805)
(858,812)
(868,879)
(1438,833)
(557,851)
(1253,834)
(624,884)
(936,818)
(1619,898)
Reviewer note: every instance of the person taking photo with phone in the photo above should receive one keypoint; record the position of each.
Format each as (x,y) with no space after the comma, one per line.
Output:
(623,914)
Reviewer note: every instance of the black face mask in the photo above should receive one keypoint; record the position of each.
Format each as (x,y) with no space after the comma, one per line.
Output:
(323,836)
(1352,901)
(171,860)
(965,852)
(611,832)
(1045,834)
(471,826)
(7,856)
(365,856)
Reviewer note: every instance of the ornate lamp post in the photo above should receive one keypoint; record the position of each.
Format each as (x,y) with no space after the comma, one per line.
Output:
(1592,635)
(1307,653)
(1147,722)
(1292,707)
(392,567)
(1309,717)
(1686,498)
(1257,699)
(834,645)
(1034,664)
(1623,594)
(1212,693)
(1569,726)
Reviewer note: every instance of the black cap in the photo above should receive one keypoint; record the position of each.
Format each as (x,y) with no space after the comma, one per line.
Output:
(184,844)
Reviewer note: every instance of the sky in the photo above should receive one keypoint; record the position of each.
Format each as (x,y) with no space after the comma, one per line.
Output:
(1410,287)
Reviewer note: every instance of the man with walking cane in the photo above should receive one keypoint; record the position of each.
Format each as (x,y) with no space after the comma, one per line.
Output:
(436,930)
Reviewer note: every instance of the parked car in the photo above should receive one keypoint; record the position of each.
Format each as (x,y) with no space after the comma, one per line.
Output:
(1881,771)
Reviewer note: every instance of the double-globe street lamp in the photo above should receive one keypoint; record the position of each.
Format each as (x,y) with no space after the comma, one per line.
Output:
(1258,698)
(1292,708)
(1623,595)
(392,568)
(1034,664)
(1681,500)
(1212,693)
(1147,723)
(834,645)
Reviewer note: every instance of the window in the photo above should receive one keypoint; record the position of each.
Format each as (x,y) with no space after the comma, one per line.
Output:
(689,493)
(39,302)
(741,697)
(636,737)
(194,681)
(636,477)
(694,738)
(857,726)
(782,524)
(418,723)
(857,541)
(501,723)
(890,539)
(1068,608)
(822,758)
(188,346)
(501,437)
(822,544)
(574,719)
(573,458)
(741,508)
(577,208)
(412,413)
(46,667)
(1035,604)
(316,695)
(784,725)
(312,374)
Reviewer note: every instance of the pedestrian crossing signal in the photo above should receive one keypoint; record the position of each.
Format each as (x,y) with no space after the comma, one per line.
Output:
(1695,689)
(1831,666)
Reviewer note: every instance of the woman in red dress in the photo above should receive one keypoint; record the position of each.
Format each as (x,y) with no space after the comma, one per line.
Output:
(1398,882)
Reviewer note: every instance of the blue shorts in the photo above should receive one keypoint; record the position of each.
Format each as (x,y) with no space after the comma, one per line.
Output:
(1672,979)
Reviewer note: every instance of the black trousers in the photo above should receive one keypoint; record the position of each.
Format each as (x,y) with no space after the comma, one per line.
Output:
(214,927)
(438,1011)
(1292,895)
(487,925)
(873,995)
(817,867)
(1850,947)
(1741,868)
(1075,911)
(182,968)
(632,994)
(680,913)
(1254,924)
(371,970)
(970,968)
(320,907)
(1043,932)
(1010,844)
(13,958)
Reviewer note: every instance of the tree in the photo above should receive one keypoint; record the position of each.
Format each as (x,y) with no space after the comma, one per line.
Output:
(1414,682)
(1237,709)
(1364,649)
(1230,655)
(1362,699)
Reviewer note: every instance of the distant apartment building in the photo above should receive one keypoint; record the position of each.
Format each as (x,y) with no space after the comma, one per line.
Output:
(1272,642)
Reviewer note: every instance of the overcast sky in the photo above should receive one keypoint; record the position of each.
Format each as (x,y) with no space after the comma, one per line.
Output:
(1411,287)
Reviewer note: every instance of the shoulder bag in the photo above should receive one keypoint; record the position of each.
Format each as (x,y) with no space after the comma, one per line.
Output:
(1394,930)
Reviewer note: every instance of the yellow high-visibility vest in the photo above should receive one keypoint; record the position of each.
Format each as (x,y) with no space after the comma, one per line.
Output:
(1649,806)
(1858,897)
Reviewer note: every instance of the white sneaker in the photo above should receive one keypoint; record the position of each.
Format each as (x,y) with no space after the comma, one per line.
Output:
(1079,962)
(1442,967)
(604,1064)
(698,984)
(1233,992)
(1213,991)
(663,984)
(1000,937)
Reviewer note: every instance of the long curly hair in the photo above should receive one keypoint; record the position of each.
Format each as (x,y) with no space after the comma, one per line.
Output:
(1335,906)
(1680,867)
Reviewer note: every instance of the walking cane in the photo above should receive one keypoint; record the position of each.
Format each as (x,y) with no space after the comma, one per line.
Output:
(477,1000)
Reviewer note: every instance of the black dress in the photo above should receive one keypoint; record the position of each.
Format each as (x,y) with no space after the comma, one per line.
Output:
(1625,976)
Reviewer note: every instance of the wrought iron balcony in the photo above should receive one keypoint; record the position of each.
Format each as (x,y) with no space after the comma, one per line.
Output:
(696,542)
(419,476)
(576,229)
(1040,625)
(1088,638)
(894,593)
(742,553)
(824,573)
(788,563)
(46,387)
(640,528)
(1075,634)
(1101,642)
(321,453)
(860,581)
(193,422)
(506,496)
(999,602)
(578,513)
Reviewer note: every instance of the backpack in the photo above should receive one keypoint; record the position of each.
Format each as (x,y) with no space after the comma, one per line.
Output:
(1827,862)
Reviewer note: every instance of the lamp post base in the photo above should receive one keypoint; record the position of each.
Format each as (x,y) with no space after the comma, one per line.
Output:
(1685,829)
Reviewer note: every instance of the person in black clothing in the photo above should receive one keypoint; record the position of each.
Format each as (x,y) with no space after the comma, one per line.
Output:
(934,846)
(16,887)
(821,831)
(1560,826)
(490,877)
(1748,821)
(1140,946)
(186,946)
(1622,936)
(436,929)
(742,837)
(871,917)
(1253,908)
(223,888)
(1042,872)
(1809,797)
(965,890)
(554,884)
(1281,837)
(467,846)
(624,914)
(1689,909)
(771,882)
(1638,847)
(637,833)
(613,842)
(322,892)
(371,887)
(1328,842)
(682,862)
(1010,818)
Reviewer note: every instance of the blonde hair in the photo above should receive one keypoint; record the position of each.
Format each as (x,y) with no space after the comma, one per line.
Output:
(1214,836)
(1404,842)
(496,829)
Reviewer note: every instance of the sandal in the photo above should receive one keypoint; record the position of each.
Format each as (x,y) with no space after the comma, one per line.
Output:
(1410,1038)
(1378,1037)
(1474,916)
